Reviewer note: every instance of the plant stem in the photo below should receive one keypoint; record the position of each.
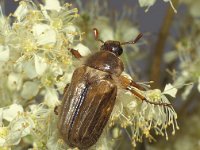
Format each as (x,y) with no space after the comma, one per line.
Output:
(160,44)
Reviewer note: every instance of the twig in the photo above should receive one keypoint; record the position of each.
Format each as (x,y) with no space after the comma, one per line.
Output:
(160,44)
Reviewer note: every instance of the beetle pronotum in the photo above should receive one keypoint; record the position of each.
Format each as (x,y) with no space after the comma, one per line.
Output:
(89,99)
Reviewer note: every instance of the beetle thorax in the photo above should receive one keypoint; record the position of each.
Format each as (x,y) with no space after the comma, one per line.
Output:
(106,61)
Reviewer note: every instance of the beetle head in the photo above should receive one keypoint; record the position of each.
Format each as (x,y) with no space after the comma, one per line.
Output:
(114,46)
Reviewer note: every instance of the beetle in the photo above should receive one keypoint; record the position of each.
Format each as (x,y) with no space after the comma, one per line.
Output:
(90,97)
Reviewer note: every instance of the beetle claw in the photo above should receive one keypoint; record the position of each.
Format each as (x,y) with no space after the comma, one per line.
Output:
(57,110)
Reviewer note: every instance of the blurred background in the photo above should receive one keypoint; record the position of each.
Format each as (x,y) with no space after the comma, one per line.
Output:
(169,52)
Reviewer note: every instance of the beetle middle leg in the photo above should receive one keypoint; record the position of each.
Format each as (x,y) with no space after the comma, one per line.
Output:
(129,85)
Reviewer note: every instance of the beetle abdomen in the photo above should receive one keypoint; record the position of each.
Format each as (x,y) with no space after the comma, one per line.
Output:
(86,108)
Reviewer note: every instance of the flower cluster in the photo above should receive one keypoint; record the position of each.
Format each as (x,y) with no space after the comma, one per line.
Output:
(187,51)
(149,3)
(129,110)
(142,117)
(35,66)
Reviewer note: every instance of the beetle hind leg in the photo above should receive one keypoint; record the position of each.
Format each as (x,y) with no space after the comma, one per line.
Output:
(129,85)
(141,97)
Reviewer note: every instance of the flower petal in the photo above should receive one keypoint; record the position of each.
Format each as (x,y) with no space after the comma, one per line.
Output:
(146,3)
(52,5)
(14,81)
(21,11)
(29,69)
(44,34)
(30,89)
(82,49)
(51,98)
(40,65)
(170,90)
(4,53)
(11,112)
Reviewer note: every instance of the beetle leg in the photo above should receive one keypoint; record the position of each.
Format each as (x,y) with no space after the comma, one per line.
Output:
(75,53)
(57,109)
(66,87)
(141,97)
(127,83)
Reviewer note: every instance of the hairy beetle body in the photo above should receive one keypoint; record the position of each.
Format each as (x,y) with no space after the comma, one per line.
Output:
(90,97)
(86,107)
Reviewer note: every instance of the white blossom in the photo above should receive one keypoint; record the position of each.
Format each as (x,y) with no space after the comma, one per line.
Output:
(170,90)
(14,81)
(82,49)
(146,3)
(52,5)
(51,97)
(29,90)
(44,34)
(40,65)
(4,53)
(21,11)
(11,112)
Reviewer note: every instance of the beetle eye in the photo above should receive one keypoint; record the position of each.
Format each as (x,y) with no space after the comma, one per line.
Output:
(117,50)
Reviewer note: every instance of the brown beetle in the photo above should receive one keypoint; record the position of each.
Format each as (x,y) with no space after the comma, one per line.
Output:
(90,97)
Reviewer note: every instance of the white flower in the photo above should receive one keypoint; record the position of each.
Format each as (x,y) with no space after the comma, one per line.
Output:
(29,69)
(3,135)
(170,90)
(149,3)
(52,5)
(82,49)
(19,127)
(51,98)
(44,34)
(146,3)
(40,65)
(21,11)
(11,112)
(34,58)
(14,81)
(69,30)
(4,53)
(142,116)
(30,89)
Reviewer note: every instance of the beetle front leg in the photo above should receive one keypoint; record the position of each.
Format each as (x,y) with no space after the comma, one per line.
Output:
(75,53)
(129,85)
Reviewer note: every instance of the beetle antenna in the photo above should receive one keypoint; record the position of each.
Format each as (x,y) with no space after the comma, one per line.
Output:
(96,35)
(134,41)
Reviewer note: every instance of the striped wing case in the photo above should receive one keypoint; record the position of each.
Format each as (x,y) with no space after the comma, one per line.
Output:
(86,107)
